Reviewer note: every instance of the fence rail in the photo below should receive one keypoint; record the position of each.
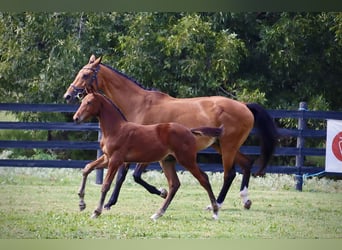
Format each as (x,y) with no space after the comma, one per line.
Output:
(300,151)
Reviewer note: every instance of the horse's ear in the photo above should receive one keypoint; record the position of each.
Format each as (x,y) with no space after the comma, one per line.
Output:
(98,60)
(92,59)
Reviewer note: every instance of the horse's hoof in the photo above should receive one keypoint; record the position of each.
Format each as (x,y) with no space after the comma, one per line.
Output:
(95,214)
(107,207)
(247,204)
(163,193)
(82,206)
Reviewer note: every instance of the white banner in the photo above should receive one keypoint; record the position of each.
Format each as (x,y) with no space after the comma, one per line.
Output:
(333,153)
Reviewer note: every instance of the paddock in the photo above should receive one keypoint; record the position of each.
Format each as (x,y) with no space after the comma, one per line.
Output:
(39,197)
(48,209)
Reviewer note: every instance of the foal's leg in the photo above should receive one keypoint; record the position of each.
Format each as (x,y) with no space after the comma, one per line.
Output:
(174,184)
(203,179)
(112,169)
(99,163)
(152,189)
(121,176)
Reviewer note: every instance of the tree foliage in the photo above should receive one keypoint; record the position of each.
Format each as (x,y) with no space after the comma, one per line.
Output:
(276,59)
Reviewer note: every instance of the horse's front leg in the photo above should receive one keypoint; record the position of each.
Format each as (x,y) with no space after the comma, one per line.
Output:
(112,169)
(121,176)
(139,168)
(97,164)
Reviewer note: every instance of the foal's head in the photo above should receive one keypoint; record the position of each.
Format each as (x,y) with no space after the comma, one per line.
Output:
(89,107)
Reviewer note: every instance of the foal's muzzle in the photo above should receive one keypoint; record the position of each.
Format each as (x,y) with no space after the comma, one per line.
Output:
(77,120)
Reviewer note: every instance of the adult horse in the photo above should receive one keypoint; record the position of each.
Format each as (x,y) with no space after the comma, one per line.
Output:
(124,141)
(148,107)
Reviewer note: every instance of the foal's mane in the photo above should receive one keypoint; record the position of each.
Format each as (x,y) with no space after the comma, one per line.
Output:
(113,104)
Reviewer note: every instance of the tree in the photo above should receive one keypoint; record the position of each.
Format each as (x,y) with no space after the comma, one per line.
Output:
(303,59)
(277,59)
(180,54)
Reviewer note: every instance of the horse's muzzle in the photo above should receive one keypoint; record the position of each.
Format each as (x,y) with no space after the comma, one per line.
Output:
(67,97)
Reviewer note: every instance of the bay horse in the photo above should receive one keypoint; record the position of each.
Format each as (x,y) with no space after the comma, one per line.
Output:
(124,141)
(147,107)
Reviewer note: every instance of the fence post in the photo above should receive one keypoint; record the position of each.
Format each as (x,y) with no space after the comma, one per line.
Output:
(300,145)
(99,172)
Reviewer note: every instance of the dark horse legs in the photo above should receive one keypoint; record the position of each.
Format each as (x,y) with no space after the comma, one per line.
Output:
(246,166)
(244,186)
(137,178)
(121,176)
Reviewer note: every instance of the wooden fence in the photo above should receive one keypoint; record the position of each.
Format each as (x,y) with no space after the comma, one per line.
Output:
(299,151)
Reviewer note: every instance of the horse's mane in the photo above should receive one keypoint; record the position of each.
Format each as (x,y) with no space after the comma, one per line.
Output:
(133,80)
(126,76)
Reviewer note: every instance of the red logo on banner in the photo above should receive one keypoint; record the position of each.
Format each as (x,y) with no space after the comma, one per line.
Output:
(337,146)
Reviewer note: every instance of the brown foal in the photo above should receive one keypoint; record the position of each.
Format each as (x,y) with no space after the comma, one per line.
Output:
(124,141)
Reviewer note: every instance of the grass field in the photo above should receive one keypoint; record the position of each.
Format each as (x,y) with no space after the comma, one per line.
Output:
(43,204)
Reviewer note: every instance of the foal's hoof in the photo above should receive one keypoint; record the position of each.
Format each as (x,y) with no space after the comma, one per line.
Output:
(247,204)
(210,207)
(215,216)
(156,216)
(163,193)
(82,206)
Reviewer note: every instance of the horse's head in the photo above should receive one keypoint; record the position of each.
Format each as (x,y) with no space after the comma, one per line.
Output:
(90,106)
(84,81)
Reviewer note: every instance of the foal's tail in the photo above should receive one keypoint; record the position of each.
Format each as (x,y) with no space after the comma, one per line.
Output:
(207,131)
(267,131)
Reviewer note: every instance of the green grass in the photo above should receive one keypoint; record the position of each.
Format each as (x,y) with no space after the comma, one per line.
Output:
(43,204)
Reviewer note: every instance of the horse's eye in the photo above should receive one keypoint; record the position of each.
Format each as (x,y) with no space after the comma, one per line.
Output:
(85,76)
(88,102)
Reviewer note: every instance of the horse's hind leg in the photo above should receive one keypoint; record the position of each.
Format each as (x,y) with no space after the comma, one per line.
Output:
(246,165)
(226,185)
(121,176)
(99,163)
(174,184)
(152,189)
(228,154)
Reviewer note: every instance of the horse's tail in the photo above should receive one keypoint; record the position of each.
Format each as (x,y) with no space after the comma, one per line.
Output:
(267,131)
(207,131)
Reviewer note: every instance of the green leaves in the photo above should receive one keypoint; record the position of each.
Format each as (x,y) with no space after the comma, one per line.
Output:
(299,49)
(278,59)
(180,54)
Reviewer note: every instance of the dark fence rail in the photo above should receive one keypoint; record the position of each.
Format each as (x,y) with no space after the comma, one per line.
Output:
(300,151)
